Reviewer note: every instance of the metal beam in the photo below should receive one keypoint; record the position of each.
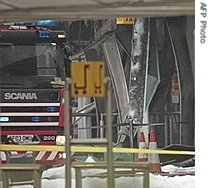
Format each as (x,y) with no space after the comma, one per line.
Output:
(114,64)
(107,10)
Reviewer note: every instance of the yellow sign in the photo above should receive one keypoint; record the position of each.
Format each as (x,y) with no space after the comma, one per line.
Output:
(125,20)
(175,92)
(87,79)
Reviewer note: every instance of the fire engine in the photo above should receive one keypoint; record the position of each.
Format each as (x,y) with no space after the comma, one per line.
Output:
(33,63)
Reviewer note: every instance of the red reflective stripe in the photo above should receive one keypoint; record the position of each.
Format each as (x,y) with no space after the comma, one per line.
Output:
(44,160)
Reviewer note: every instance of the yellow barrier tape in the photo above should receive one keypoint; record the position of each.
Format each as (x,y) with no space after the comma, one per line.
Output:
(7,147)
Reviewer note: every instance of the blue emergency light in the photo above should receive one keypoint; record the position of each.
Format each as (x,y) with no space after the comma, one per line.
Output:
(36,119)
(4,119)
(51,109)
(46,23)
(43,23)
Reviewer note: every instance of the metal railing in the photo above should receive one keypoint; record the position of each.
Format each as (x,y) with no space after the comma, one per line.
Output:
(107,141)
(133,168)
(21,170)
(172,126)
(169,122)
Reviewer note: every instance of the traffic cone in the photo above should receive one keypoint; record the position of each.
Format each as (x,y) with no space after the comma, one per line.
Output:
(153,158)
(142,157)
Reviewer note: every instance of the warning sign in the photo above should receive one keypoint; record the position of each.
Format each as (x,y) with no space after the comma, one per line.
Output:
(175,87)
(87,79)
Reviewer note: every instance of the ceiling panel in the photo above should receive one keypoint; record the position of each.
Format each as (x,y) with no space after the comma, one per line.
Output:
(30,10)
(45,3)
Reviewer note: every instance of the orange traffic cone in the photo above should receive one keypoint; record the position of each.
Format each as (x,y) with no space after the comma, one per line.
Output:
(142,157)
(153,158)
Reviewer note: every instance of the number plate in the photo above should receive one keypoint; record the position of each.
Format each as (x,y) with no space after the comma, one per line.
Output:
(20,138)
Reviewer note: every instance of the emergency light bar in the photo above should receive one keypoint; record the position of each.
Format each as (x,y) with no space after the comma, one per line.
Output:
(43,23)
(30,35)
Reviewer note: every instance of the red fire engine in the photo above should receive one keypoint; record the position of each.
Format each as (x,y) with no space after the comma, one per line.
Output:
(32,68)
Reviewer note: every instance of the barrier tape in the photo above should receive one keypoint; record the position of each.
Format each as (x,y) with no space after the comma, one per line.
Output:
(84,149)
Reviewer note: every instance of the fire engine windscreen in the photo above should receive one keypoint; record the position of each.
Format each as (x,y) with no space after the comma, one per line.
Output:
(30,64)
